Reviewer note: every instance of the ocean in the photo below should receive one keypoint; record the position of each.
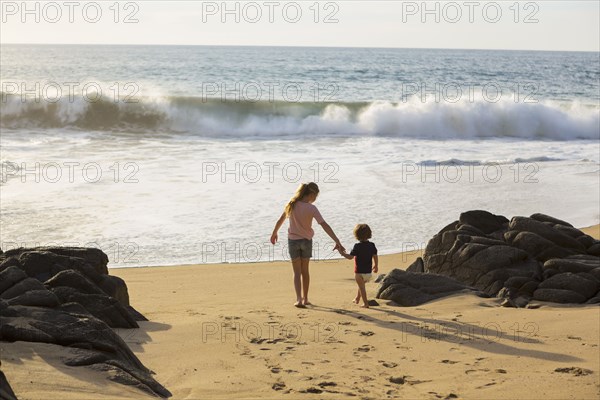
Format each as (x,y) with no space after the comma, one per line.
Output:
(165,155)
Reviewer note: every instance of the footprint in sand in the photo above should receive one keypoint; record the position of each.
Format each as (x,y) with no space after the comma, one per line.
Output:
(365,348)
(388,364)
(327,384)
(473,371)
(449,362)
(441,396)
(577,371)
(278,386)
(312,390)
(366,333)
(486,385)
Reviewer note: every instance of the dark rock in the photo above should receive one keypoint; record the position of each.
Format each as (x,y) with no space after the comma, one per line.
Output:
(101,306)
(6,392)
(483,220)
(595,299)
(516,302)
(595,272)
(412,289)
(75,280)
(115,287)
(546,218)
(57,326)
(586,240)
(9,262)
(558,238)
(484,251)
(573,282)
(541,249)
(573,232)
(10,276)
(594,250)
(529,287)
(70,256)
(42,298)
(416,266)
(571,265)
(558,296)
(21,287)
(76,308)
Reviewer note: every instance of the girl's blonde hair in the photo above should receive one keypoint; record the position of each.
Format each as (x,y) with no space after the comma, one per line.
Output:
(303,190)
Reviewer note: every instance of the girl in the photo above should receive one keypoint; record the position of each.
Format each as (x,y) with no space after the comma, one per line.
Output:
(301,212)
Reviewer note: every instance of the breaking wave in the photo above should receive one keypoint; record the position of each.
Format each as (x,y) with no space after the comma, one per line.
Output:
(265,119)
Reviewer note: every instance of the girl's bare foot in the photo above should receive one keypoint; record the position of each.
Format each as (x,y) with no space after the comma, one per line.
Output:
(299,304)
(307,303)
(365,306)
(356,300)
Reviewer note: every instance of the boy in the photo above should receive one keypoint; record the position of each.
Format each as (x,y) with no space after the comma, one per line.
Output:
(365,260)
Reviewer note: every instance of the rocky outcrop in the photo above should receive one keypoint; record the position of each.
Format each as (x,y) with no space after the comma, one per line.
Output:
(537,257)
(64,296)
(413,288)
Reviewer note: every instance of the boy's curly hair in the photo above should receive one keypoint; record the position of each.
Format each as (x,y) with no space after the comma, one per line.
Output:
(362,232)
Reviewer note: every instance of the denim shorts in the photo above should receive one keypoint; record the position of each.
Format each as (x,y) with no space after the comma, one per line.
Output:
(300,248)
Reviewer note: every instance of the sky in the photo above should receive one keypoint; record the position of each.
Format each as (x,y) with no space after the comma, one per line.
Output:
(523,25)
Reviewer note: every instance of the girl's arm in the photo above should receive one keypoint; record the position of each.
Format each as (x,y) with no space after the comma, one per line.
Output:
(329,231)
(278,224)
(375,263)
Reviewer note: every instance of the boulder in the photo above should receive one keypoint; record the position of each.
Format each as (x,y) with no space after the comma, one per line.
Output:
(594,250)
(6,392)
(54,326)
(558,238)
(489,253)
(10,276)
(64,296)
(485,221)
(412,289)
(573,282)
(546,218)
(416,266)
(558,296)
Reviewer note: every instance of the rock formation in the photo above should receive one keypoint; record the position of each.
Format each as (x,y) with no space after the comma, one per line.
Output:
(537,257)
(64,296)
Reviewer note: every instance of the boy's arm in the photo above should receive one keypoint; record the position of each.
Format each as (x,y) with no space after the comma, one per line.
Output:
(375,263)
(278,224)
(346,255)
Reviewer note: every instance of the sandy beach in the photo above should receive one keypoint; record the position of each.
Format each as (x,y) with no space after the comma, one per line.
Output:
(230,331)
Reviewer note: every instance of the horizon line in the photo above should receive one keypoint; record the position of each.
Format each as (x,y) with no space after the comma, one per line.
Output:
(288,46)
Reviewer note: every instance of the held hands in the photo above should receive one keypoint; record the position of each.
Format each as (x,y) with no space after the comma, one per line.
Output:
(340,248)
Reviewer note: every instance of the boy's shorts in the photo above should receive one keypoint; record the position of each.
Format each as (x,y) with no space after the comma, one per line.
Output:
(300,248)
(366,277)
